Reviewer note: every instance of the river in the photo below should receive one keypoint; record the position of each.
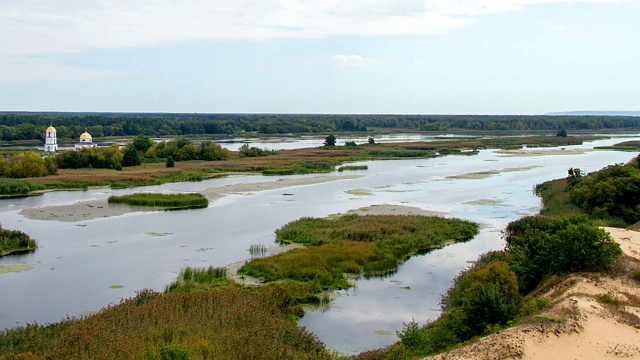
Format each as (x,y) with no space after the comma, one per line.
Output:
(82,266)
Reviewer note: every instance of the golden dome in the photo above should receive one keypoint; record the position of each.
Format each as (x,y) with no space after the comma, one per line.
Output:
(85,135)
(51,128)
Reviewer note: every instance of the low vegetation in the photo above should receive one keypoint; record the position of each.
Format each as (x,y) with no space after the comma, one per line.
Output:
(353,168)
(198,280)
(230,323)
(170,201)
(496,291)
(354,244)
(12,241)
(15,187)
(106,166)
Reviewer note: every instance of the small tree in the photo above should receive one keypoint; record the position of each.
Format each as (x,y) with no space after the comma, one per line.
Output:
(562,133)
(170,162)
(371,141)
(130,157)
(330,140)
(142,143)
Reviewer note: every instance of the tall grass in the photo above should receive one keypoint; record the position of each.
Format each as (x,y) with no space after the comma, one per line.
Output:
(190,201)
(194,280)
(555,199)
(15,187)
(231,323)
(353,168)
(354,244)
(15,241)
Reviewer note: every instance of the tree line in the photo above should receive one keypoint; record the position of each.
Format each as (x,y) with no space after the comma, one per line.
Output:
(142,148)
(31,126)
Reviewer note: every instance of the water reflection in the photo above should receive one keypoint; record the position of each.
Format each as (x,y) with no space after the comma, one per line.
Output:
(78,262)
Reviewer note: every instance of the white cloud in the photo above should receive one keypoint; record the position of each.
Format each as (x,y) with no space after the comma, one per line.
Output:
(43,26)
(16,70)
(352,60)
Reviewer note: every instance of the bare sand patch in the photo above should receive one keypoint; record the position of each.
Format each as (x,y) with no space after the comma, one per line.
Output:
(85,210)
(389,209)
(489,173)
(218,192)
(94,209)
(542,152)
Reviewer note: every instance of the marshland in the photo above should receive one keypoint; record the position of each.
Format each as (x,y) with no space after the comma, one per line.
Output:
(78,261)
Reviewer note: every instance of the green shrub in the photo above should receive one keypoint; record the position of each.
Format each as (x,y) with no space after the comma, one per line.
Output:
(486,294)
(608,298)
(541,245)
(15,187)
(15,241)
(170,162)
(636,275)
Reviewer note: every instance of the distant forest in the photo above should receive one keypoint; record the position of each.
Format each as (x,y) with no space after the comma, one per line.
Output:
(31,126)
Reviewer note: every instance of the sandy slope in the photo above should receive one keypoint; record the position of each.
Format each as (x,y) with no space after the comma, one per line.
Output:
(589,328)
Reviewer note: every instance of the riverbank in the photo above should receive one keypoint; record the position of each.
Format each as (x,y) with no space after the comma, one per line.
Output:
(592,316)
(100,208)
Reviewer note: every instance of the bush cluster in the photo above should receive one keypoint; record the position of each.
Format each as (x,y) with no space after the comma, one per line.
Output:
(26,164)
(15,240)
(494,291)
(183,149)
(15,187)
(609,194)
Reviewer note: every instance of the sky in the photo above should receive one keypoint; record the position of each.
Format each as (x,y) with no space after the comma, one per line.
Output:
(320,56)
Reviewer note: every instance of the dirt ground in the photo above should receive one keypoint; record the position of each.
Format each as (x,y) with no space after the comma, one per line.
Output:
(593,316)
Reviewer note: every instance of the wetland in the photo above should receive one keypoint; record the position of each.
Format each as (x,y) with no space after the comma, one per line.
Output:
(80,259)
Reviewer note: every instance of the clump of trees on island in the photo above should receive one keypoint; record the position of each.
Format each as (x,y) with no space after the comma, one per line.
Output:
(12,241)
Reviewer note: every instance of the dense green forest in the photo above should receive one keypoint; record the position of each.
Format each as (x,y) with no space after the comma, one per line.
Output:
(31,126)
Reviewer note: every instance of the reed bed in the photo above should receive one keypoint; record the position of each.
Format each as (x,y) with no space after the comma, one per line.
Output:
(172,201)
(353,168)
(232,323)
(257,250)
(354,244)
(12,241)
(15,187)
(194,280)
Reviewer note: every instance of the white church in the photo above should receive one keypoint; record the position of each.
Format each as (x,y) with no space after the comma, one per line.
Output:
(51,141)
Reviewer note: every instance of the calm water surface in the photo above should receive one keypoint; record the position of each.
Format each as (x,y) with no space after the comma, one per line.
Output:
(78,263)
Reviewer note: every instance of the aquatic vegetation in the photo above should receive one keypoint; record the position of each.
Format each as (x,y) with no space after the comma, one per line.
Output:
(15,241)
(353,168)
(15,187)
(5,269)
(172,201)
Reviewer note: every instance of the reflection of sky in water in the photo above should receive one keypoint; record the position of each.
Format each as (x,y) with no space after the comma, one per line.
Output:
(78,262)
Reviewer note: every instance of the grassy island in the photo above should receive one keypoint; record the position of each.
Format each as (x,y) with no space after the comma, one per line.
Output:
(12,241)
(354,244)
(169,201)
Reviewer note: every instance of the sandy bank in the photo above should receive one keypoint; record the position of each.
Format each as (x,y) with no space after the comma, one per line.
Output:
(87,210)
(578,325)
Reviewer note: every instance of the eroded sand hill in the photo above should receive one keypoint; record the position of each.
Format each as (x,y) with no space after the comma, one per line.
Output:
(593,316)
